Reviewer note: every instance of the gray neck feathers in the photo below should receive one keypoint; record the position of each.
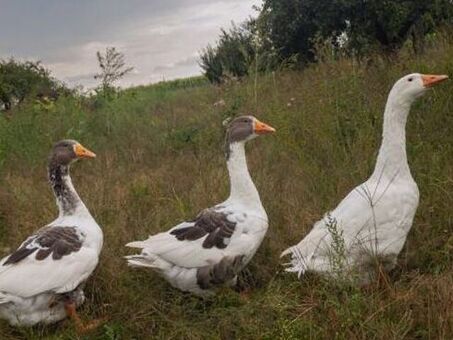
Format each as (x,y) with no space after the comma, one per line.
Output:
(67,198)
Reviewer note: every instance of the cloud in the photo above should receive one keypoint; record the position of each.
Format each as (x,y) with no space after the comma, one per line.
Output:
(161,39)
(186,62)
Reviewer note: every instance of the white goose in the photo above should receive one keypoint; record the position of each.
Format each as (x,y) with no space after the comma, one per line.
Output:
(199,255)
(374,218)
(42,281)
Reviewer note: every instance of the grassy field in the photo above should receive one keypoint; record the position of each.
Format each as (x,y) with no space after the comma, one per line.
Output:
(160,161)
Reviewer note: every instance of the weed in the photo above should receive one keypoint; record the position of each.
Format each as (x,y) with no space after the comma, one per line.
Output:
(160,161)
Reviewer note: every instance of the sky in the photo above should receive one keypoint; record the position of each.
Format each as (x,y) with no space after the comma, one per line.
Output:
(161,39)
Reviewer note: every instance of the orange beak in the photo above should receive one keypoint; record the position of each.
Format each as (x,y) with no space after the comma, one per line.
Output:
(261,128)
(430,80)
(82,152)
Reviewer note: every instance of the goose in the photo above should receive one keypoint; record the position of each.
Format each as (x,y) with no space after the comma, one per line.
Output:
(373,220)
(42,280)
(199,255)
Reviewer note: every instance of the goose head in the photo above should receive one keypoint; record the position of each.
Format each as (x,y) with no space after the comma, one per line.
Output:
(68,151)
(245,128)
(410,87)
(242,129)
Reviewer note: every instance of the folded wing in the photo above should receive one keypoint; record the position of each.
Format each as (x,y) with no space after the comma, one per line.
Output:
(52,260)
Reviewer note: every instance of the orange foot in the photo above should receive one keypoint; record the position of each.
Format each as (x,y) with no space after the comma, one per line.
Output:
(91,325)
(245,294)
(81,327)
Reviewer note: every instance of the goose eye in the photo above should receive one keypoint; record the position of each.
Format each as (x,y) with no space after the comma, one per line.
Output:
(410,79)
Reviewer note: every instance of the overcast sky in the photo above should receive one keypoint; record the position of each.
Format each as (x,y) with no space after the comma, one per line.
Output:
(160,38)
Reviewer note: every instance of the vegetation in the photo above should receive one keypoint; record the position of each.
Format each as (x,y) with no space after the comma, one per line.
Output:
(160,161)
(29,80)
(21,80)
(292,31)
(355,26)
(113,68)
(232,57)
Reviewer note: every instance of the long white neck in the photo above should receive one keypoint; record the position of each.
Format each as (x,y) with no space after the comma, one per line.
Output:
(68,201)
(392,155)
(242,187)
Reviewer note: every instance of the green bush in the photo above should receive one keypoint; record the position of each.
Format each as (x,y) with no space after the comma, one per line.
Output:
(21,80)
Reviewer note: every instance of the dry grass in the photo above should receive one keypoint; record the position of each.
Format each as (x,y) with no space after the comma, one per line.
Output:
(160,161)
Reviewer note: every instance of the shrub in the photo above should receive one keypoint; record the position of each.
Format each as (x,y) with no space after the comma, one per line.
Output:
(19,80)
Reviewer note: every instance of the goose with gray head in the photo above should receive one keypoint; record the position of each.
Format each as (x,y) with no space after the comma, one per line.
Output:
(42,280)
(209,251)
(374,219)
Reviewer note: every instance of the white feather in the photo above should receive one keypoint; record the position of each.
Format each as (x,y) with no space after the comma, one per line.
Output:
(178,261)
(374,218)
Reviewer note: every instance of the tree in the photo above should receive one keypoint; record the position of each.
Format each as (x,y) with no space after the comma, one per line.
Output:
(390,24)
(211,64)
(231,57)
(292,27)
(113,68)
(20,80)
(293,31)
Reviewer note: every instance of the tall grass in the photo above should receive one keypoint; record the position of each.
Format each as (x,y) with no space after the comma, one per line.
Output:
(160,161)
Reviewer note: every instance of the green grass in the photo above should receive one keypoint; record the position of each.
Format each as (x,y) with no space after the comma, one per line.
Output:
(160,161)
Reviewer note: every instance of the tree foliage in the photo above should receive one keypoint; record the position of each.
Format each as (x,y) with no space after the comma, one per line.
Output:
(232,55)
(113,68)
(211,64)
(389,24)
(291,30)
(20,80)
(292,26)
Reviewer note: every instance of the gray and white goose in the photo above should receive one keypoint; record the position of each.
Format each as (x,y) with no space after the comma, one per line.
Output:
(373,220)
(199,255)
(42,280)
